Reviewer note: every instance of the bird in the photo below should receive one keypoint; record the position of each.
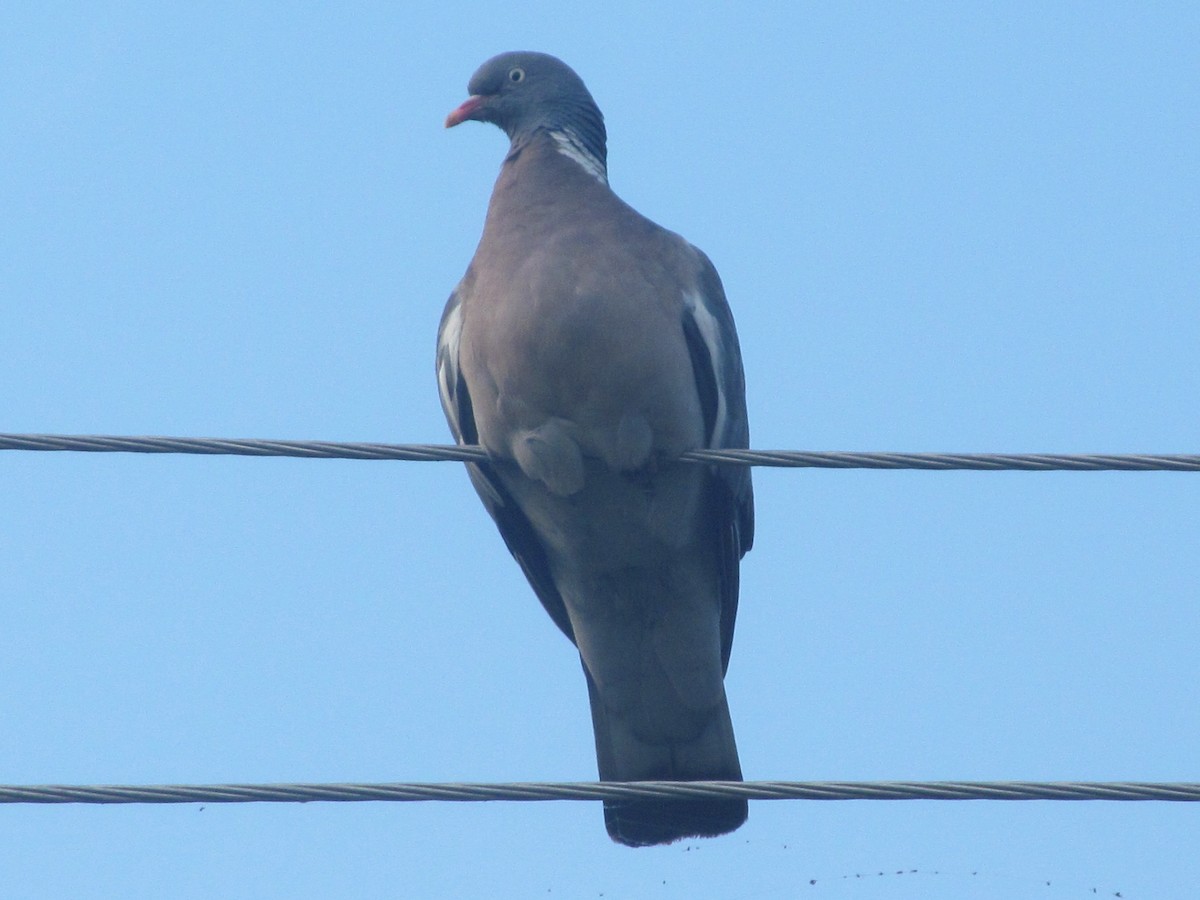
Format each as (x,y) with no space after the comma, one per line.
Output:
(585,349)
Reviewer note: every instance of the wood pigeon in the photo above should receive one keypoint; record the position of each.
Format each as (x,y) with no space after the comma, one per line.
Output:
(585,348)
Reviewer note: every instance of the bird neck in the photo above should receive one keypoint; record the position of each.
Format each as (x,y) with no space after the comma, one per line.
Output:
(582,142)
(537,183)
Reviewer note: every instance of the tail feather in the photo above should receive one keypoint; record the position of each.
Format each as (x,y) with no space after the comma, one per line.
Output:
(708,755)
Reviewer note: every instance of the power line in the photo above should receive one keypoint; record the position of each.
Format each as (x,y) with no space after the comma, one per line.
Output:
(641,790)
(992,462)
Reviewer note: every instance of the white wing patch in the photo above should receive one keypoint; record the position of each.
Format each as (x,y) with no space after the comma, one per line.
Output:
(710,333)
(447,364)
(571,147)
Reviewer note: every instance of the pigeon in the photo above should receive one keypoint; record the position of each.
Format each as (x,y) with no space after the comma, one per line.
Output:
(586,348)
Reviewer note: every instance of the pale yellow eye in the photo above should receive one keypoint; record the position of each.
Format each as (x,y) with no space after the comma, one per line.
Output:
(516,74)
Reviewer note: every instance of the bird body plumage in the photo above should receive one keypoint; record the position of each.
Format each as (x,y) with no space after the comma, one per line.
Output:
(585,348)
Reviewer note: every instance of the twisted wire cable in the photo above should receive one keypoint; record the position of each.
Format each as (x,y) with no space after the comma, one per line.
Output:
(1037,462)
(640,790)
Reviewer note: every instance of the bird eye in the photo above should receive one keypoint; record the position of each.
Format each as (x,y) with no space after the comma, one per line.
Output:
(516,75)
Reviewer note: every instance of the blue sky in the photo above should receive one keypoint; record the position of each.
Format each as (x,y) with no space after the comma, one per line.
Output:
(944,227)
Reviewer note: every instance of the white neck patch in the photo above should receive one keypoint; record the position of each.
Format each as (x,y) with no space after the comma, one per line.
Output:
(571,147)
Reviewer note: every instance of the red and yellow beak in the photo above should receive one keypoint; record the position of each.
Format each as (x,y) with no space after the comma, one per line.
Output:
(468,109)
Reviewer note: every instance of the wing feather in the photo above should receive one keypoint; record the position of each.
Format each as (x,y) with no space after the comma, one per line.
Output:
(720,383)
(519,536)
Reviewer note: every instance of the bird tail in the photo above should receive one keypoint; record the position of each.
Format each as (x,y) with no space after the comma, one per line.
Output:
(709,755)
